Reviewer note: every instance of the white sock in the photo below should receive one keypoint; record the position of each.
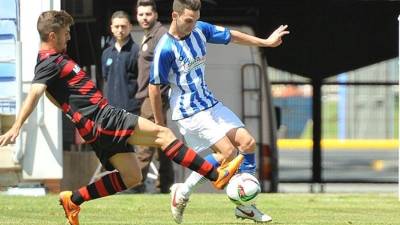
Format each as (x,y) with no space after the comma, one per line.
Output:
(194,180)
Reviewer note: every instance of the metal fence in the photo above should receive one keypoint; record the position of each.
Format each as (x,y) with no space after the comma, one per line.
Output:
(359,125)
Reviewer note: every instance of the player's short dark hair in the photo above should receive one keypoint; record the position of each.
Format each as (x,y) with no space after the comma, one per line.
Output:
(120,14)
(151,3)
(180,5)
(52,21)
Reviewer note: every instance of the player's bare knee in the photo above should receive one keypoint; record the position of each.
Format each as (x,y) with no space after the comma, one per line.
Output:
(229,154)
(248,146)
(166,136)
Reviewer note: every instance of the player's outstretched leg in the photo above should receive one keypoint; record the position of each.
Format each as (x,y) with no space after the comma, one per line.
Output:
(148,133)
(71,209)
(252,213)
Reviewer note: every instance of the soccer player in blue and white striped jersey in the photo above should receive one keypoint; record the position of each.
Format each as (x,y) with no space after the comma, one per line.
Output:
(179,61)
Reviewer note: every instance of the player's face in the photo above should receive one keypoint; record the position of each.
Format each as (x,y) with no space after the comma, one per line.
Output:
(61,39)
(146,17)
(186,21)
(120,28)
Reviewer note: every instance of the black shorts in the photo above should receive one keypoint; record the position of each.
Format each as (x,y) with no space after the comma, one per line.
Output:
(114,127)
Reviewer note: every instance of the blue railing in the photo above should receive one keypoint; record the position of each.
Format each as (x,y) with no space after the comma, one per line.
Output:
(8,39)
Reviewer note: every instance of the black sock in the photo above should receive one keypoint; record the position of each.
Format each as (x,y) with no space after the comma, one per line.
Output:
(187,157)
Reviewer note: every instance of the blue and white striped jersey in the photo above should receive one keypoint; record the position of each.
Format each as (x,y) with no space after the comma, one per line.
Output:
(186,58)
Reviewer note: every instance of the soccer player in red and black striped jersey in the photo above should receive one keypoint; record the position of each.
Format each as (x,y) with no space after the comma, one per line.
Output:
(109,130)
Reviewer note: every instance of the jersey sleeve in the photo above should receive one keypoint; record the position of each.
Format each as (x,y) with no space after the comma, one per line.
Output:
(162,62)
(46,72)
(214,34)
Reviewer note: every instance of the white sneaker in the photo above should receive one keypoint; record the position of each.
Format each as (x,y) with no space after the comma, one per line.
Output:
(252,213)
(178,203)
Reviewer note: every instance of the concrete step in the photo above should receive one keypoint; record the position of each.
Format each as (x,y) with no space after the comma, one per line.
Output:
(10,172)
(6,160)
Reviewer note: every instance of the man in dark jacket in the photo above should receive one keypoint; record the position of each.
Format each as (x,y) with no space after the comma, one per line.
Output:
(119,65)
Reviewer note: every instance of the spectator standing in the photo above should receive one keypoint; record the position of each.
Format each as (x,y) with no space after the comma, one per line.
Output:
(119,65)
(147,17)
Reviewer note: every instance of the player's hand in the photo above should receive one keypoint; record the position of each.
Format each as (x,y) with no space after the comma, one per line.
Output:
(275,39)
(9,136)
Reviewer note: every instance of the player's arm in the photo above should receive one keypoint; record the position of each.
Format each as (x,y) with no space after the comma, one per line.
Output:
(274,40)
(159,71)
(156,104)
(28,106)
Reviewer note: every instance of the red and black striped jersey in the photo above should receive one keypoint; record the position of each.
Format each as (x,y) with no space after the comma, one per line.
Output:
(72,89)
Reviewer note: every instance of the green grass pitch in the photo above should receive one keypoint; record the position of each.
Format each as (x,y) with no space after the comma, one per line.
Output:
(213,209)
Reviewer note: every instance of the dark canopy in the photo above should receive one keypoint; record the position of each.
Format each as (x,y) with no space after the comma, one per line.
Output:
(327,37)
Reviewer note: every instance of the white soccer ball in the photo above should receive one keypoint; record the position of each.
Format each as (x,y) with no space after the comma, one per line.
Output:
(243,189)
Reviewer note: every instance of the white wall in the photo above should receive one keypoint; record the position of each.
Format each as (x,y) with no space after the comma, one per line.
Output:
(41,148)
